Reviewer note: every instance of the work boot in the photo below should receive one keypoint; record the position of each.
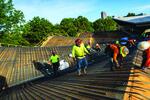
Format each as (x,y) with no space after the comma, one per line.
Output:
(84,70)
(117,65)
(79,72)
(143,68)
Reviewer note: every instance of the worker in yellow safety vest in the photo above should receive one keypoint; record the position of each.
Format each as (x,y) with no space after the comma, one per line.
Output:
(54,59)
(124,51)
(79,54)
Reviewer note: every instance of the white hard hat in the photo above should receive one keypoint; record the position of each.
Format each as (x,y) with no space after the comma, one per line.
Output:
(126,50)
(70,55)
(143,45)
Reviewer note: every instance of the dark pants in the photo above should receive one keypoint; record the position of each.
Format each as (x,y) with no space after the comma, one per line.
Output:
(55,67)
(120,59)
(3,83)
(113,64)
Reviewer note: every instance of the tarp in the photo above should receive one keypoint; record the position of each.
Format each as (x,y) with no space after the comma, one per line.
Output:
(63,65)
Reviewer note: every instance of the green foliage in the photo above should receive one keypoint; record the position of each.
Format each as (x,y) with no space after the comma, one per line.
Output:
(83,24)
(33,37)
(6,9)
(40,25)
(67,26)
(130,14)
(37,29)
(72,26)
(10,18)
(133,14)
(14,30)
(56,30)
(15,39)
(11,24)
(107,24)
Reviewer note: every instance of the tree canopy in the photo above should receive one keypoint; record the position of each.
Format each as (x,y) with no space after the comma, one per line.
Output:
(130,14)
(67,25)
(133,14)
(107,24)
(10,18)
(37,29)
(73,26)
(15,30)
(11,24)
(83,24)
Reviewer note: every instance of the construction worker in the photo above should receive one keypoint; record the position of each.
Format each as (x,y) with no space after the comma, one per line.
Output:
(3,83)
(145,47)
(132,42)
(90,41)
(117,42)
(113,51)
(97,47)
(79,54)
(147,62)
(124,51)
(89,47)
(88,44)
(54,59)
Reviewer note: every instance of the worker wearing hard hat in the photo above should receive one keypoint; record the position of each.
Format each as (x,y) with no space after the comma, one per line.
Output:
(79,53)
(145,47)
(54,59)
(112,50)
(124,51)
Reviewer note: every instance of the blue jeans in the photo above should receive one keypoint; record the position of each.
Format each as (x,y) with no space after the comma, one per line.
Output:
(81,63)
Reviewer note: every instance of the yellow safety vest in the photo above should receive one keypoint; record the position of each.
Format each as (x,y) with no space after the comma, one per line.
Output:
(54,59)
(79,51)
(122,51)
(88,47)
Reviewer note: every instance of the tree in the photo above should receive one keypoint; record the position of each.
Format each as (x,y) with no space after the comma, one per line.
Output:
(67,26)
(15,39)
(130,14)
(10,18)
(37,29)
(56,30)
(11,24)
(133,14)
(83,24)
(107,24)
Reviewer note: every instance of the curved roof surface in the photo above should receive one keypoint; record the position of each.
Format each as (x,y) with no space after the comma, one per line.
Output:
(135,19)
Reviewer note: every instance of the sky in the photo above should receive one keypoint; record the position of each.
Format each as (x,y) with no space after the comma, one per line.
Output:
(56,10)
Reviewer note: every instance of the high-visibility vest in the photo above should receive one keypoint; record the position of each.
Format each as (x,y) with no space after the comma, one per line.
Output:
(124,51)
(54,59)
(79,51)
(88,47)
